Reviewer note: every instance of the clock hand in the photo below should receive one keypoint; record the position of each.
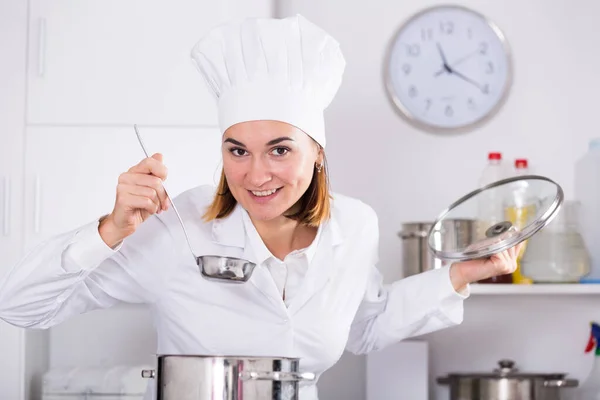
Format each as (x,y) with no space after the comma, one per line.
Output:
(465,58)
(467,79)
(444,61)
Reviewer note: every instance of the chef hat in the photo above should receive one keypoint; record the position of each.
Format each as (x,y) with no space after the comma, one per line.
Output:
(287,70)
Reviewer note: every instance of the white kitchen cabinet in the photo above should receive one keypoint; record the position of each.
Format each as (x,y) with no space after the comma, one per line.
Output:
(122,62)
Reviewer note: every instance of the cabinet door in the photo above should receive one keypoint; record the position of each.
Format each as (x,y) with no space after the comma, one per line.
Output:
(71,175)
(123,62)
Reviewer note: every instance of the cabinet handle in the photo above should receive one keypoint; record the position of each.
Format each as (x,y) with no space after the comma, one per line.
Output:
(37,204)
(6,205)
(42,47)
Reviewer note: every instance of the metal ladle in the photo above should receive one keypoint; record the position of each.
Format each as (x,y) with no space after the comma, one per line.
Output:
(218,268)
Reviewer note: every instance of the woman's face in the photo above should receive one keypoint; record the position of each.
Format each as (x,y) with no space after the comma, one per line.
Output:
(268,166)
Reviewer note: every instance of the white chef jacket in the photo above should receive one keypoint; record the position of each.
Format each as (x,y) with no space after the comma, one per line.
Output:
(335,299)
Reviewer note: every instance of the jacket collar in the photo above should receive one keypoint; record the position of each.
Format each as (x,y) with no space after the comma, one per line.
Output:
(230,231)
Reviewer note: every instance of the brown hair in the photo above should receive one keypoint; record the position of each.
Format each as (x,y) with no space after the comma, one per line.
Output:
(311,209)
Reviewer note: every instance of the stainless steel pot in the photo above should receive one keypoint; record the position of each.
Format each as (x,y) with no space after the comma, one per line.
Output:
(183,377)
(416,256)
(506,383)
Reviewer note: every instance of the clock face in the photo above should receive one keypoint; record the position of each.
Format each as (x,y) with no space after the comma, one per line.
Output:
(448,69)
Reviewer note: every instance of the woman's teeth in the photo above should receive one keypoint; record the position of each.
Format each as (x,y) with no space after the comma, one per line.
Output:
(264,193)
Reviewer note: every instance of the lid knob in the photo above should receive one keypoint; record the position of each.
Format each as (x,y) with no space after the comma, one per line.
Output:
(506,367)
(498,229)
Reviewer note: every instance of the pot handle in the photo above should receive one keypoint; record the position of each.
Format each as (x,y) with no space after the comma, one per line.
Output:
(557,383)
(412,234)
(148,373)
(276,376)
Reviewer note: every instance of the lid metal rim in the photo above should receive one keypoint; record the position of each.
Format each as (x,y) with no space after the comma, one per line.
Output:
(502,245)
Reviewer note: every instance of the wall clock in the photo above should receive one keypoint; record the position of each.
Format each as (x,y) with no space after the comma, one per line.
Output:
(448,69)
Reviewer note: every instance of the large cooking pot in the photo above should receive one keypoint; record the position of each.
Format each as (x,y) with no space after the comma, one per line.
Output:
(190,377)
(506,383)
(451,234)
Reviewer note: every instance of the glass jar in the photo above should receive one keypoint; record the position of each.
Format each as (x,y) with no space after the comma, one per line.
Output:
(557,253)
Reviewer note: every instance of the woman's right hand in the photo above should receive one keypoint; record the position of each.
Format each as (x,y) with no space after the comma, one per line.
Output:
(140,194)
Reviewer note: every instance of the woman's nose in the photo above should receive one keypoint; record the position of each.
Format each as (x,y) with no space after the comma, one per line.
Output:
(259,173)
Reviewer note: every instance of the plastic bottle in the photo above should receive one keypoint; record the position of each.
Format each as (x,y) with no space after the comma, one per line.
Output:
(490,205)
(589,389)
(587,191)
(518,210)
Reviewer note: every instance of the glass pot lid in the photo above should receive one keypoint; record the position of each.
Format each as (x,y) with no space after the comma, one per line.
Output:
(499,216)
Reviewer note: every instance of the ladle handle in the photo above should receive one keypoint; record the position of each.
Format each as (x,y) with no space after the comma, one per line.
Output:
(169,197)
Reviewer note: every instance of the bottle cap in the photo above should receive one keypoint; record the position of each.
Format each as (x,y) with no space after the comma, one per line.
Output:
(521,163)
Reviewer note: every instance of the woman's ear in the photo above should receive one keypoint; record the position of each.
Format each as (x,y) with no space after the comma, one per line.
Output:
(320,156)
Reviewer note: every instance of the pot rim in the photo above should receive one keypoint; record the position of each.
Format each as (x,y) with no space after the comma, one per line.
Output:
(223,357)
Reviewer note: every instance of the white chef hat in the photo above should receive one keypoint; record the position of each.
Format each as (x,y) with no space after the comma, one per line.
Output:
(286,70)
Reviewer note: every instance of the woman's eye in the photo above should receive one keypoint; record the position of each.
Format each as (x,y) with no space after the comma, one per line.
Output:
(280,151)
(238,152)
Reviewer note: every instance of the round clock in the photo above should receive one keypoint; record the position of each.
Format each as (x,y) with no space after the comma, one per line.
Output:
(448,69)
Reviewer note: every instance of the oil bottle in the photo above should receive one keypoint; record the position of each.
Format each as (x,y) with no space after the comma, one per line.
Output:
(519,210)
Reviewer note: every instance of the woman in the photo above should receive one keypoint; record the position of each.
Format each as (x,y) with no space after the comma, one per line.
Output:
(316,290)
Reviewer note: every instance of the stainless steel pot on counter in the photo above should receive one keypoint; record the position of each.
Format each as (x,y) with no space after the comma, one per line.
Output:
(416,255)
(183,377)
(507,383)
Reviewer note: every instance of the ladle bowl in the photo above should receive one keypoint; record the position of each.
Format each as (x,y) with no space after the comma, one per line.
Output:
(228,269)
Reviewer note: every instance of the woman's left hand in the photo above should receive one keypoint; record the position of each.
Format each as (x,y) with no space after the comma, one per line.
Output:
(465,272)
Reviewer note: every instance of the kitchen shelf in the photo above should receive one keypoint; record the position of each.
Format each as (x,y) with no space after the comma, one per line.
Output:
(535,289)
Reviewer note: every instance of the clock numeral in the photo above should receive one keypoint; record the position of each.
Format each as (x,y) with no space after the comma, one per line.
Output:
(414,50)
(426,34)
(470,33)
(483,48)
(449,111)
(486,88)
(489,67)
(427,104)
(406,68)
(412,91)
(471,103)
(447,27)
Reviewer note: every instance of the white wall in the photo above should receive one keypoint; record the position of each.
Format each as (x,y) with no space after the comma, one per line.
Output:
(374,155)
